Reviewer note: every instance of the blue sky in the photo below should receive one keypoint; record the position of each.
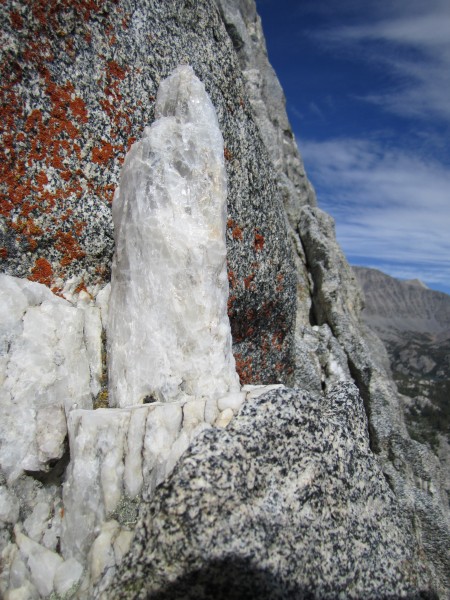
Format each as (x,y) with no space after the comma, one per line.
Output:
(367,84)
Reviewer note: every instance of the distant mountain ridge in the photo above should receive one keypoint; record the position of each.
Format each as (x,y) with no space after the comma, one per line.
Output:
(414,324)
(393,306)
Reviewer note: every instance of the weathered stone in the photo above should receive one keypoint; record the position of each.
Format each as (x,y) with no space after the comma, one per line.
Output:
(287,502)
(45,373)
(79,86)
(411,468)
(268,103)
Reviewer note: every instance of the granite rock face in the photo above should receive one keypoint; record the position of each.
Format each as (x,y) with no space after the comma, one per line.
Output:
(414,324)
(412,470)
(234,521)
(267,100)
(79,86)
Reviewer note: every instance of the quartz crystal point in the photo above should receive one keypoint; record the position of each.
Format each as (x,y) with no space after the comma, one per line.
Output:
(168,333)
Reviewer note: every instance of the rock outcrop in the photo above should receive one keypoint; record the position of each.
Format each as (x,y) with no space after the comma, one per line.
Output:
(412,470)
(235,521)
(294,486)
(169,286)
(72,110)
(414,324)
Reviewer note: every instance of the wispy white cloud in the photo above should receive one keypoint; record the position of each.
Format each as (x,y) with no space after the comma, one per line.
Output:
(391,207)
(411,40)
(315,110)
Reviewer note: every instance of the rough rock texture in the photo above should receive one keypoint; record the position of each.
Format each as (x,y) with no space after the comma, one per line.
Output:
(50,363)
(411,468)
(169,334)
(233,521)
(414,323)
(267,100)
(79,85)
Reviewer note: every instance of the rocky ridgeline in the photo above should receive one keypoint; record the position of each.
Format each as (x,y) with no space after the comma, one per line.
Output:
(414,324)
(196,486)
(394,307)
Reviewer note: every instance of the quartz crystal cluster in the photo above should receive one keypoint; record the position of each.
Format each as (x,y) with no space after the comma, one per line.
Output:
(168,333)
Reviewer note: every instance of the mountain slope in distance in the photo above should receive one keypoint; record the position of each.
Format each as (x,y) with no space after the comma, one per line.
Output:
(414,324)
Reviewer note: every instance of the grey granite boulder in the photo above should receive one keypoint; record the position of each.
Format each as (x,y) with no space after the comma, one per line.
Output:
(287,502)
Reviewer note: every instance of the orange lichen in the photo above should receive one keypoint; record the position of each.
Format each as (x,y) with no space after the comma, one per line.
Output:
(277,340)
(248,282)
(16,20)
(78,108)
(81,287)
(3,253)
(236,230)
(237,233)
(264,350)
(259,241)
(69,247)
(227,154)
(231,300)
(42,272)
(280,286)
(232,279)
(102,155)
(41,178)
(244,369)
(115,71)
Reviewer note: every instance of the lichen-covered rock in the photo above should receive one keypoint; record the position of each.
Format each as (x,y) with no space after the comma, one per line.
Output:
(287,502)
(79,86)
(79,82)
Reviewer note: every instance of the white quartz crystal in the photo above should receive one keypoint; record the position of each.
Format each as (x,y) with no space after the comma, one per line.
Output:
(168,334)
(67,576)
(9,507)
(41,562)
(119,453)
(44,373)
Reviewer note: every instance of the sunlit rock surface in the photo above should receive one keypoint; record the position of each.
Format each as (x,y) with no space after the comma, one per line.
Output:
(48,351)
(50,365)
(288,502)
(117,453)
(168,333)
